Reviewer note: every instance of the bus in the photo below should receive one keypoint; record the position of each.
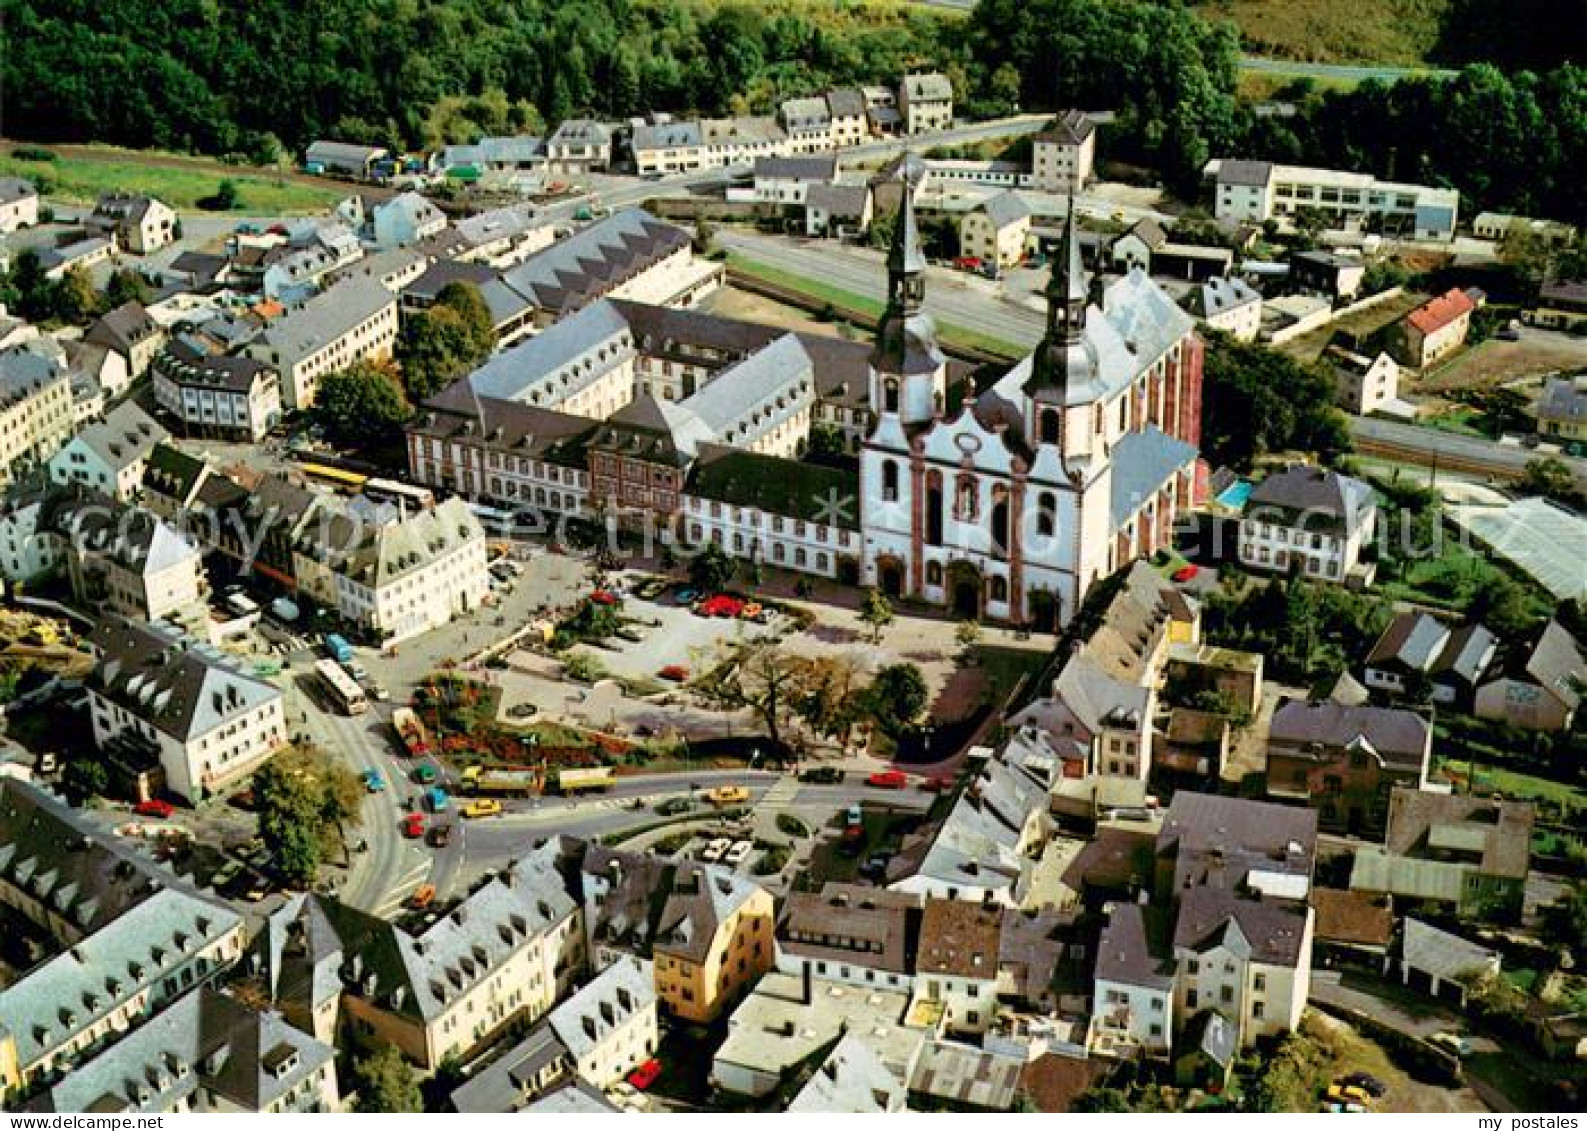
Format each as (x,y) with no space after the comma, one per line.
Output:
(594,779)
(498,523)
(391,491)
(349,481)
(343,690)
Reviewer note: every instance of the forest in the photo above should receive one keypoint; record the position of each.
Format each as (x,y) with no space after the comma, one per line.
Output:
(261,78)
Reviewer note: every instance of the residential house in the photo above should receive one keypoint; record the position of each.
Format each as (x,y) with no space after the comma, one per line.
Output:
(1257,191)
(1132,1010)
(1229,305)
(1419,655)
(956,964)
(925,102)
(666,148)
(83,254)
(1327,273)
(1539,687)
(579,146)
(1248,960)
(854,935)
(140,224)
(109,455)
(157,693)
(714,941)
(788,180)
(1560,305)
(1461,855)
(808,122)
(498,960)
(207,1052)
(19,204)
(1363,384)
(1064,154)
(1148,246)
(214,394)
(739,141)
(609,1026)
(1499,226)
(514,1079)
(838,210)
(997,232)
(345,158)
(355,320)
(35,410)
(27,553)
(406,219)
(1354,928)
(1562,409)
(1434,330)
(500,237)
(1136,246)
(850,118)
(1310,520)
(125,559)
(1345,761)
(1440,963)
(1260,848)
(98,374)
(130,332)
(502,154)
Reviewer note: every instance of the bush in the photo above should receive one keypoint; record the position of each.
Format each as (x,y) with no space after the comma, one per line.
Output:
(772,861)
(793,826)
(583,667)
(34,153)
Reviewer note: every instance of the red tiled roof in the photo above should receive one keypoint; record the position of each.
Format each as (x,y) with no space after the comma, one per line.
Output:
(1434,314)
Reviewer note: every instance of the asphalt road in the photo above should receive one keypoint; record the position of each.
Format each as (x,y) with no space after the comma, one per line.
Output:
(950,297)
(1463,453)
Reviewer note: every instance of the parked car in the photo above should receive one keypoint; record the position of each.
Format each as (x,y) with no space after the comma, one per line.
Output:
(674,806)
(373,782)
(676,673)
(720,606)
(603,597)
(440,836)
(855,817)
(413,826)
(727,795)
(1186,572)
(154,807)
(645,1075)
(888,779)
(521,710)
(822,775)
(435,799)
(1367,1082)
(1348,1093)
(422,897)
(739,853)
(687,596)
(968,263)
(715,850)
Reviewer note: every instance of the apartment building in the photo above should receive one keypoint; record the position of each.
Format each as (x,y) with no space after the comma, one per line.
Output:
(128,330)
(355,320)
(609,1026)
(1132,1004)
(714,941)
(579,146)
(925,102)
(215,395)
(156,695)
(997,232)
(855,935)
(125,559)
(397,575)
(956,967)
(109,455)
(1311,520)
(35,409)
(1063,156)
(1229,305)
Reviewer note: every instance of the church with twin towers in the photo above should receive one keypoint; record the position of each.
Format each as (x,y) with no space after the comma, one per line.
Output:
(1003,499)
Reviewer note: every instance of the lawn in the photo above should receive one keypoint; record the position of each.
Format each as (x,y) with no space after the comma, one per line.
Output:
(84,174)
(1391,32)
(847,302)
(1449,580)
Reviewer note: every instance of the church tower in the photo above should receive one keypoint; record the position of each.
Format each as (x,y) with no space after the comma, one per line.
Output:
(908,369)
(1065,360)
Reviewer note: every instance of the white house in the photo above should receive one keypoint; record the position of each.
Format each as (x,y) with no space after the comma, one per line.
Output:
(997,232)
(209,722)
(609,1026)
(956,963)
(1310,519)
(109,455)
(19,204)
(140,224)
(1228,305)
(1248,959)
(926,102)
(1363,384)
(406,219)
(1064,154)
(1132,1007)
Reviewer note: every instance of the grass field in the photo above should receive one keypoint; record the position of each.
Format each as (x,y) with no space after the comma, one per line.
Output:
(869,308)
(82,175)
(1389,32)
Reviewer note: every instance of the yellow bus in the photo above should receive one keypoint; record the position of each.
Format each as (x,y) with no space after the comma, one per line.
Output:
(334,476)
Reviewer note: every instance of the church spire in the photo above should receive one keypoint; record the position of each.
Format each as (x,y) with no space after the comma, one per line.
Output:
(906,265)
(1066,290)
(906,339)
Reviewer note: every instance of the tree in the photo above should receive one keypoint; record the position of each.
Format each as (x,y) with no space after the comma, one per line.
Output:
(305,802)
(125,285)
(830,697)
(1552,478)
(75,300)
(1501,604)
(876,612)
(827,441)
(1257,401)
(34,291)
(362,404)
(1567,920)
(386,1082)
(898,696)
(968,635)
(442,343)
(759,676)
(224,198)
(84,777)
(711,569)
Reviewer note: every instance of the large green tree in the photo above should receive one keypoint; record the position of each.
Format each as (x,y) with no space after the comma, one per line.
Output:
(899,696)
(305,799)
(386,1082)
(1257,401)
(440,344)
(362,404)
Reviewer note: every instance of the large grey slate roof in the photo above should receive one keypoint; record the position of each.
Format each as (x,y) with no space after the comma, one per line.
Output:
(1143,462)
(1264,931)
(124,436)
(1133,948)
(325,317)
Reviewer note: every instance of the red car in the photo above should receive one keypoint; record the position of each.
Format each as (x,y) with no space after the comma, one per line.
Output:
(720,606)
(413,826)
(888,779)
(645,1075)
(968,263)
(154,807)
(602,597)
(677,673)
(1185,573)
(937,785)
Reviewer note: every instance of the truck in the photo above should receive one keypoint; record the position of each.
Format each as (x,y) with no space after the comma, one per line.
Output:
(583,780)
(410,731)
(338,648)
(512,782)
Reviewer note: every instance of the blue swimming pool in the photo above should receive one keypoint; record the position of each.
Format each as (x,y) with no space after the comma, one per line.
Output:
(1234,496)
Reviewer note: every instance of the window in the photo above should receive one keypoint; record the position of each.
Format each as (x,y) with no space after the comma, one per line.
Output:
(890,482)
(1050,425)
(890,395)
(933,573)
